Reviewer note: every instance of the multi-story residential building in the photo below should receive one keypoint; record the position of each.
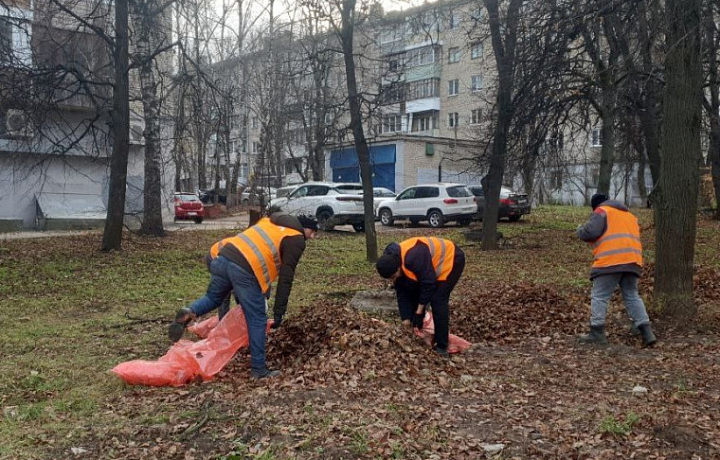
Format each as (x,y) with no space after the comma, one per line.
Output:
(429,121)
(55,96)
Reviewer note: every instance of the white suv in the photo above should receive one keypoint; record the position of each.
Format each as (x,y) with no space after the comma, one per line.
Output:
(326,202)
(435,203)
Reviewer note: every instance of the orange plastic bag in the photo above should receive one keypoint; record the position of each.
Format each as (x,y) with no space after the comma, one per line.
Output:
(186,360)
(203,328)
(455,343)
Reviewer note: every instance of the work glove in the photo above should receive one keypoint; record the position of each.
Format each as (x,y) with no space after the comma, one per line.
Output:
(276,323)
(418,320)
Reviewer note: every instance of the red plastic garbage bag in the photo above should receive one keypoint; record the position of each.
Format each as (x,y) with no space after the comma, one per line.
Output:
(455,343)
(203,328)
(188,360)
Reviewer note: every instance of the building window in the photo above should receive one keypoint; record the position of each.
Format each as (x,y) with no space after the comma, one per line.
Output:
(453,120)
(420,89)
(477,15)
(6,40)
(255,147)
(392,93)
(477,82)
(595,138)
(454,54)
(422,56)
(424,122)
(475,116)
(243,170)
(476,51)
(255,122)
(453,87)
(392,124)
(454,20)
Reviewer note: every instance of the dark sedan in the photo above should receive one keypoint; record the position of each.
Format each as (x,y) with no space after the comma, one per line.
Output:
(512,205)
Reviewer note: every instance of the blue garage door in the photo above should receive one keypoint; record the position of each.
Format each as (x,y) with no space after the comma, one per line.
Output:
(345,168)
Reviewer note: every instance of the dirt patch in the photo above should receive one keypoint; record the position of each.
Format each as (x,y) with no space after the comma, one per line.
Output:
(375,301)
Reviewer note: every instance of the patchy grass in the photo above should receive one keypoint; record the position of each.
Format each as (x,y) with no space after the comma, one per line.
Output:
(71,313)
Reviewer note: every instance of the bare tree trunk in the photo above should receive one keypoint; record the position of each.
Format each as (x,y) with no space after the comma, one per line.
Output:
(713,105)
(642,189)
(363,152)
(649,112)
(505,60)
(112,235)
(676,202)
(152,191)
(607,138)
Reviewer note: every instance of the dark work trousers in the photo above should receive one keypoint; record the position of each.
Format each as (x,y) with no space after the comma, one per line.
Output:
(408,297)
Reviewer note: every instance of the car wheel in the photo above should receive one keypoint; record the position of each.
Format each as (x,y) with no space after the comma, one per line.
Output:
(435,219)
(323,219)
(386,217)
(245,202)
(514,218)
(198,220)
(359,226)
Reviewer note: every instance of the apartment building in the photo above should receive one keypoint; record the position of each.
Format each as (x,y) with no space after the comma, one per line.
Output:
(55,96)
(427,75)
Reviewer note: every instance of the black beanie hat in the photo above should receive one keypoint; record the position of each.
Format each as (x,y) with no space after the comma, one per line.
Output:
(387,265)
(308,222)
(597,200)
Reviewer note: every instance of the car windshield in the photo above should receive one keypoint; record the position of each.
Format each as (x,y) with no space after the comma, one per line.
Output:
(458,191)
(186,197)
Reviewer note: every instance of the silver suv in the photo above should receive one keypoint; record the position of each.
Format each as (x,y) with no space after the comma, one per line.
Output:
(435,203)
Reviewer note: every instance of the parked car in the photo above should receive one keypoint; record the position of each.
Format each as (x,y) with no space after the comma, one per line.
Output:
(349,187)
(257,196)
(513,205)
(381,194)
(285,191)
(435,203)
(208,197)
(326,202)
(188,207)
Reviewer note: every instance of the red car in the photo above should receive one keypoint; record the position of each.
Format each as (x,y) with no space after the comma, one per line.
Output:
(189,207)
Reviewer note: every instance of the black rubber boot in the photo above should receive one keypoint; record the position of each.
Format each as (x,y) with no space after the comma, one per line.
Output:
(441,351)
(182,318)
(596,336)
(634,331)
(264,373)
(648,337)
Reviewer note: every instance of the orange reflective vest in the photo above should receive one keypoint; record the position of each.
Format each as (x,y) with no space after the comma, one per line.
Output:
(215,249)
(442,252)
(260,245)
(620,244)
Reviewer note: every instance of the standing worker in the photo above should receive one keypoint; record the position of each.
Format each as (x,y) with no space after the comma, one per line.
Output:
(424,271)
(614,234)
(247,264)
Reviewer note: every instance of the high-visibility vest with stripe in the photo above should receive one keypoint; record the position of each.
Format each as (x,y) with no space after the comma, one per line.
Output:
(442,252)
(215,249)
(260,245)
(620,244)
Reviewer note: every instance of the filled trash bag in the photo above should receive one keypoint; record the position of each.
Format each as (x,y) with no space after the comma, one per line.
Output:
(187,360)
(455,343)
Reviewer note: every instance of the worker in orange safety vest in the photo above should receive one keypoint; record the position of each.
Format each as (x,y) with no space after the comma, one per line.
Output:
(247,264)
(424,271)
(614,234)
